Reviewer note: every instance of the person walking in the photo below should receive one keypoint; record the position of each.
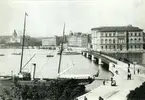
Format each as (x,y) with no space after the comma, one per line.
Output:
(128,65)
(104,82)
(85,98)
(138,71)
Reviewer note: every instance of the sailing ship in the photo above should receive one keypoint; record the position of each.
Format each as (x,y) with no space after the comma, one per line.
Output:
(23,75)
(81,79)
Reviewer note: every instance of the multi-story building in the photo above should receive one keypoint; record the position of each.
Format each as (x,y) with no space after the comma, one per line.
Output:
(118,38)
(77,40)
(51,41)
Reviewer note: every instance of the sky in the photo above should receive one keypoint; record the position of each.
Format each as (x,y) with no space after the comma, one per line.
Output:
(47,17)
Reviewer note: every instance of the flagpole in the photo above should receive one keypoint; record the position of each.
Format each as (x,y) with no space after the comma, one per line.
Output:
(23,42)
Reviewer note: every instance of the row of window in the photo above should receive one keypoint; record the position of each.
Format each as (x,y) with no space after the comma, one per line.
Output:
(120,46)
(122,33)
(135,40)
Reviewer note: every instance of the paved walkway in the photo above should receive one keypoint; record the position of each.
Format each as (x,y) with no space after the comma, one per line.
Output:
(123,87)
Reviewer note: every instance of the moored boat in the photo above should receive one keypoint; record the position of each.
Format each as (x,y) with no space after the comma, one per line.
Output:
(49,55)
(16,53)
(2,54)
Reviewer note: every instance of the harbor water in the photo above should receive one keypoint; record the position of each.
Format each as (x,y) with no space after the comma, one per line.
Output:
(47,67)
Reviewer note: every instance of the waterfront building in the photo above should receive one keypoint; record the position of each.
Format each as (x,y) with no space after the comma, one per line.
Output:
(49,42)
(77,40)
(117,39)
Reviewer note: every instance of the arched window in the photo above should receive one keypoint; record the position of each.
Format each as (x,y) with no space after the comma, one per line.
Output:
(131,40)
(135,40)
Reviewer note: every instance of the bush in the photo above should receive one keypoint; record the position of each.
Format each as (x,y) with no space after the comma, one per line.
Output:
(137,94)
(51,90)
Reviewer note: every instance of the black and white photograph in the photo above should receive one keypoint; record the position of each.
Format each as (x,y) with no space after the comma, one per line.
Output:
(72,49)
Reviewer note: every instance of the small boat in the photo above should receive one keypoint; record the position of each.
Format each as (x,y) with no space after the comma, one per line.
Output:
(16,53)
(2,54)
(69,53)
(5,78)
(49,55)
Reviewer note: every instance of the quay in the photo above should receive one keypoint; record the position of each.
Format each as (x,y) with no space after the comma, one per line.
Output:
(123,86)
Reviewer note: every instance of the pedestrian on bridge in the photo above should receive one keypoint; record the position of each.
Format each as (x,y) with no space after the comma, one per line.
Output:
(138,71)
(104,82)
(128,65)
(85,98)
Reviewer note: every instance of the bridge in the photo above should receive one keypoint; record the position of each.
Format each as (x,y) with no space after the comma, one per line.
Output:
(100,58)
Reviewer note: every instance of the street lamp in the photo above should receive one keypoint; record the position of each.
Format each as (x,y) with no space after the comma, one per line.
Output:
(134,63)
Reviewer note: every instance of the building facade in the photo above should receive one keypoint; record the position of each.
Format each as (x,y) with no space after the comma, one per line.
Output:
(49,41)
(77,40)
(118,38)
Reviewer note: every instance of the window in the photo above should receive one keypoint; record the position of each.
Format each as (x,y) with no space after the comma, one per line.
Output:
(102,41)
(135,46)
(110,41)
(102,47)
(131,46)
(130,34)
(113,40)
(105,40)
(109,34)
(110,46)
(134,34)
(135,40)
(106,46)
(131,40)
(114,34)
(139,34)
(114,46)
(139,40)
(106,34)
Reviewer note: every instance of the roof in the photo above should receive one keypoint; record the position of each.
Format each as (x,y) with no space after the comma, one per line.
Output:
(117,28)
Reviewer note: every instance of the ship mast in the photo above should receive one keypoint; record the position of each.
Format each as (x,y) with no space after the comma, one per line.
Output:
(23,42)
(61,49)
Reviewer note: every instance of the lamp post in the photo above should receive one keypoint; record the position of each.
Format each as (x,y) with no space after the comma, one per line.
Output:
(134,63)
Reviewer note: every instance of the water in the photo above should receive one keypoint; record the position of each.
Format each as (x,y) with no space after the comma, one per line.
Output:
(47,67)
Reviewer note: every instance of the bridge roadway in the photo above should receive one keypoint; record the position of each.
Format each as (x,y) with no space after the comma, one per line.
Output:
(123,87)
(97,54)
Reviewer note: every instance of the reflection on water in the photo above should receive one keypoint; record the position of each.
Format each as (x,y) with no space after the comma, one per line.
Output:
(47,66)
